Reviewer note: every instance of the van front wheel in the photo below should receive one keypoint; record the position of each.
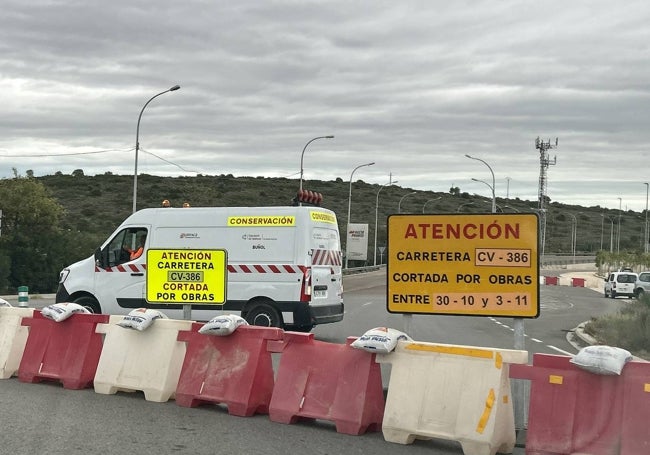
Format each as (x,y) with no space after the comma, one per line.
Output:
(88,302)
(264,315)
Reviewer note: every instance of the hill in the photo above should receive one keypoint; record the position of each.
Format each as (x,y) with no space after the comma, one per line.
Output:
(96,205)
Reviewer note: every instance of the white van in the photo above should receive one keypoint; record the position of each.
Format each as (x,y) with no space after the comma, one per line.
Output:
(284,264)
(620,283)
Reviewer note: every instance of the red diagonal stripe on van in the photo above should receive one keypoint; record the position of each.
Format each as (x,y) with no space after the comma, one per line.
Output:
(264,268)
(326,257)
(232,268)
(121,268)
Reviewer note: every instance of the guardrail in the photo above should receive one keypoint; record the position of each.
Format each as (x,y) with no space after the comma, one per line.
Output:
(355,270)
(544,262)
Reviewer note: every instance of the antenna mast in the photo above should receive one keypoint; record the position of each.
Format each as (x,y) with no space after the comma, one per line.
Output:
(544,163)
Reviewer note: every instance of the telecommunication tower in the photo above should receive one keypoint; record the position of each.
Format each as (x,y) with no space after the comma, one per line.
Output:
(544,163)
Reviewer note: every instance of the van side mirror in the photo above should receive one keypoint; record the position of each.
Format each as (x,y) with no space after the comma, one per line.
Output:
(101,258)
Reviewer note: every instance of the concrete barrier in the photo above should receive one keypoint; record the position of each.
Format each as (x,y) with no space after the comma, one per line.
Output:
(459,393)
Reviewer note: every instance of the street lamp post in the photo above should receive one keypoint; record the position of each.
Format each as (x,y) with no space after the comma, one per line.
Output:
(494,205)
(494,199)
(399,205)
(618,236)
(602,229)
(430,200)
(646,240)
(347,250)
(611,234)
(137,144)
(376,218)
(574,229)
(463,205)
(302,156)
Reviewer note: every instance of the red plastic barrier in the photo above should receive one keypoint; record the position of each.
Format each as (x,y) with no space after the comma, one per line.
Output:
(235,370)
(67,351)
(578,282)
(335,382)
(635,437)
(574,411)
(550,280)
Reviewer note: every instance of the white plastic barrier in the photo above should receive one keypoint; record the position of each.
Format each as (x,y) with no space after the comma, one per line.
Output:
(148,360)
(459,393)
(13,337)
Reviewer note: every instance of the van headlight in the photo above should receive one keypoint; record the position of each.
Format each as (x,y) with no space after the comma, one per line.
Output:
(63,275)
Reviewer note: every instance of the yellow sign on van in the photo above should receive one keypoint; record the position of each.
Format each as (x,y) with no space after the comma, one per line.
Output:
(187,276)
(262,220)
(483,265)
(323,217)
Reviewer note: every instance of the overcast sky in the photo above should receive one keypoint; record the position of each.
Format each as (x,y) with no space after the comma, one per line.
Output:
(410,85)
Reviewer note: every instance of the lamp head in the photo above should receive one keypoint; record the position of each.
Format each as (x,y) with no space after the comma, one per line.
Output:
(175,87)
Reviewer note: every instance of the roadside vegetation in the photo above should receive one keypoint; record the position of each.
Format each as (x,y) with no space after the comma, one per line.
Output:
(54,220)
(628,329)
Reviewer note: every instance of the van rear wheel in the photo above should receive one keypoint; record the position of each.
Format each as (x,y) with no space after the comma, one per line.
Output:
(88,302)
(264,315)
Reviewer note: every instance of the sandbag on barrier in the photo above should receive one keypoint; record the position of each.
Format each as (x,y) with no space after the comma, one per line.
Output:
(67,351)
(459,393)
(149,360)
(13,337)
(235,370)
(335,382)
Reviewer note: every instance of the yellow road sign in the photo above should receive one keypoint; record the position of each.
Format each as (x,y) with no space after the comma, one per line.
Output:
(187,276)
(485,265)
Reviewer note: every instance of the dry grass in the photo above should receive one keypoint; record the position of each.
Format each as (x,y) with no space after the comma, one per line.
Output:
(628,329)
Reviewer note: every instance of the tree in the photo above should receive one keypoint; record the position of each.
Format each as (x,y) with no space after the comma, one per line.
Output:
(30,235)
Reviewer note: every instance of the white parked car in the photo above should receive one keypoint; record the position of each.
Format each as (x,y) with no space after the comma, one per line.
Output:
(620,283)
(642,284)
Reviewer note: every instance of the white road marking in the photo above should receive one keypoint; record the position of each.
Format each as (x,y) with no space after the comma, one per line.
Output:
(533,339)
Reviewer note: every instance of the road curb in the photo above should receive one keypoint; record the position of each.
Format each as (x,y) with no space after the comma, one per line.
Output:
(585,337)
